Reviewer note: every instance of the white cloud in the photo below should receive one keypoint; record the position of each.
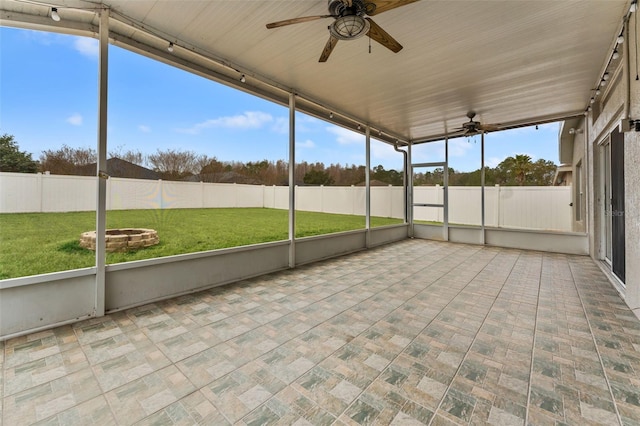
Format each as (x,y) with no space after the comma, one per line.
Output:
(345,136)
(75,119)
(281,125)
(307,124)
(382,150)
(383,154)
(459,147)
(428,152)
(144,128)
(304,118)
(306,144)
(493,161)
(248,120)
(86,46)
(41,37)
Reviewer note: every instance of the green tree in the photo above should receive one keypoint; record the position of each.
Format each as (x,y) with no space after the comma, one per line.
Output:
(514,170)
(213,166)
(14,160)
(521,168)
(256,168)
(317,177)
(67,160)
(543,172)
(174,164)
(470,178)
(392,177)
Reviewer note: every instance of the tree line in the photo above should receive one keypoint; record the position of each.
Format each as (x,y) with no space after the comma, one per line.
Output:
(518,170)
(188,165)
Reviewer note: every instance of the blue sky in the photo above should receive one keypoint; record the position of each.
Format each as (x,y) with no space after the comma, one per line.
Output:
(48,97)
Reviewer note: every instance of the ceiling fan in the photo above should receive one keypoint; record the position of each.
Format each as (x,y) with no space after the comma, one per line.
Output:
(471,128)
(351,21)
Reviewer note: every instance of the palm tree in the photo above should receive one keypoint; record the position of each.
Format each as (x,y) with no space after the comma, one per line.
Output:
(521,167)
(514,170)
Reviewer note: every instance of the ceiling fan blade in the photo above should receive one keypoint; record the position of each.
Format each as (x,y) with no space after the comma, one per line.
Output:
(297,21)
(383,37)
(489,127)
(384,5)
(328,48)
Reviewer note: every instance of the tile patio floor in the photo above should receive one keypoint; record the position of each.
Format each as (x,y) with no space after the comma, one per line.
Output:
(417,332)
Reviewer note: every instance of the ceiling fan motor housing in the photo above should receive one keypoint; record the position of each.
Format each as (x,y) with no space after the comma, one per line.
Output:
(335,7)
(358,7)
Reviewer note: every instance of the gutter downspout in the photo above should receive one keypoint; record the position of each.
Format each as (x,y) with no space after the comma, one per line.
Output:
(627,68)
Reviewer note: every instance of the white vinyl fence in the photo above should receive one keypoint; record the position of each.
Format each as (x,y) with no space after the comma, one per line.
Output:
(527,207)
(513,207)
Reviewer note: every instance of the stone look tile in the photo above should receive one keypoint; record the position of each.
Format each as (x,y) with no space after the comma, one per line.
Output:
(241,391)
(142,397)
(37,346)
(49,399)
(287,365)
(43,370)
(418,332)
(190,410)
(207,366)
(129,367)
(95,329)
(500,417)
(345,391)
(99,351)
(96,412)
(184,345)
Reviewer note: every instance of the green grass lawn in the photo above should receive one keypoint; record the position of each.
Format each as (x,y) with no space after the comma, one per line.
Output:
(37,243)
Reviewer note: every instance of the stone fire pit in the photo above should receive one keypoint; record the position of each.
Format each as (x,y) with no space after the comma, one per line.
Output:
(124,239)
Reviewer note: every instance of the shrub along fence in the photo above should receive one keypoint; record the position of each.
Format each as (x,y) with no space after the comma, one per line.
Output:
(546,208)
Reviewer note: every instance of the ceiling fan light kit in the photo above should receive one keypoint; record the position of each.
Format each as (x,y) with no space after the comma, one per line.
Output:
(349,27)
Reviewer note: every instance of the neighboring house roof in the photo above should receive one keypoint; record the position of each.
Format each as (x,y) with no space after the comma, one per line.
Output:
(562,172)
(223,177)
(117,167)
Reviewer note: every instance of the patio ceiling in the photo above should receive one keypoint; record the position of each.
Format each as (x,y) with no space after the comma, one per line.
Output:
(513,62)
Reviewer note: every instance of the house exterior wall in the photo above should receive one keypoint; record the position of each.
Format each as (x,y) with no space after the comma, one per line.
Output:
(610,112)
(632,219)
(632,190)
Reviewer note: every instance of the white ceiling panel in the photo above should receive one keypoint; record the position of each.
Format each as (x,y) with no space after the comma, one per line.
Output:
(512,61)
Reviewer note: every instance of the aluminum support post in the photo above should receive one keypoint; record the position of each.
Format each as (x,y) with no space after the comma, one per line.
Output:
(101,167)
(367,185)
(292,180)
